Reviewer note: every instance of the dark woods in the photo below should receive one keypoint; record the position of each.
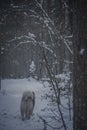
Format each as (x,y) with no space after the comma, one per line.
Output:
(27,27)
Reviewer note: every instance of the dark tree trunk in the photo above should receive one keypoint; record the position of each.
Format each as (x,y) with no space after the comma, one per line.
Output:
(80,64)
(0,83)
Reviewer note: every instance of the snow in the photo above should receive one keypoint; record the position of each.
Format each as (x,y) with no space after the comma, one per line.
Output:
(31,35)
(10,97)
(82,51)
(2,48)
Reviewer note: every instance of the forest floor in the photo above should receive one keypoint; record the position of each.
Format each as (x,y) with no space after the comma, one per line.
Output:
(45,109)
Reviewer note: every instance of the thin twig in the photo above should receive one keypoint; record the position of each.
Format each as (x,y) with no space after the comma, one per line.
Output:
(56,128)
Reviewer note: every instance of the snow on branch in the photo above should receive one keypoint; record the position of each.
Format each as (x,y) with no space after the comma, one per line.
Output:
(46,47)
(44,12)
(47,21)
(62,38)
(29,36)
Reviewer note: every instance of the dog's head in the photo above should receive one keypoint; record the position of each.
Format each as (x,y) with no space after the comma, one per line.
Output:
(28,95)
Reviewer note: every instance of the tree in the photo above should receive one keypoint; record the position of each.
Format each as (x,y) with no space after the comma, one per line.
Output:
(32,68)
(80,64)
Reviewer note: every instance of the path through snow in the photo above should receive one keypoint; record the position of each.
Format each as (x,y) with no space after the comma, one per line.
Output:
(10,97)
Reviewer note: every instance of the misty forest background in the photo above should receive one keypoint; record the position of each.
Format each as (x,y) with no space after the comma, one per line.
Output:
(29,29)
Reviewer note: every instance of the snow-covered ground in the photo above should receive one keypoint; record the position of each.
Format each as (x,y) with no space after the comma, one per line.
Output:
(10,97)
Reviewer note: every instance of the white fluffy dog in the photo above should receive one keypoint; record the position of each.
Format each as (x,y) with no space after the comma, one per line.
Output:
(27,104)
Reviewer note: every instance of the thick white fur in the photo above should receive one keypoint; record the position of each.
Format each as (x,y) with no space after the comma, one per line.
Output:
(27,104)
